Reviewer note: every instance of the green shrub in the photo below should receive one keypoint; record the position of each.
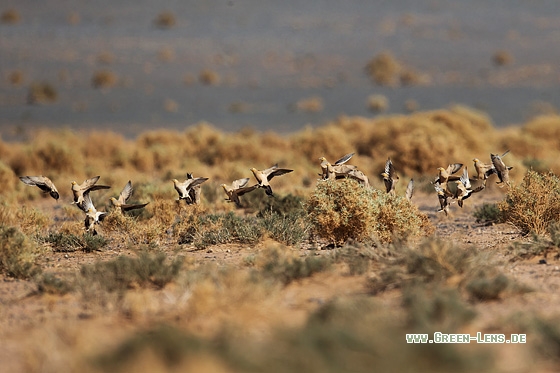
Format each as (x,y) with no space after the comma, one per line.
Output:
(290,229)
(487,213)
(342,210)
(63,242)
(279,264)
(50,284)
(534,204)
(125,272)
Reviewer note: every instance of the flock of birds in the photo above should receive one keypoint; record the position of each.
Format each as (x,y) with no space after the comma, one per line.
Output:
(190,189)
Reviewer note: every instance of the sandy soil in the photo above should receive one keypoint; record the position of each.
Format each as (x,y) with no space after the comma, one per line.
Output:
(25,316)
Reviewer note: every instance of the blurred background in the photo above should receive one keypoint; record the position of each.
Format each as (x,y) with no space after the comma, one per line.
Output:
(130,66)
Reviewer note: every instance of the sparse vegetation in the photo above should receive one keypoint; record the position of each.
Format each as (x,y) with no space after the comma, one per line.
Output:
(272,270)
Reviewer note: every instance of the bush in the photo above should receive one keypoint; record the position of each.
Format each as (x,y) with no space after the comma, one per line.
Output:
(17,254)
(126,272)
(342,210)
(534,204)
(487,213)
(41,93)
(279,264)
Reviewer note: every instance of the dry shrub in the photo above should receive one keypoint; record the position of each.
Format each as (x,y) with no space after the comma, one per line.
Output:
(8,179)
(57,156)
(502,58)
(329,141)
(377,103)
(10,17)
(545,127)
(310,104)
(103,79)
(383,69)
(421,142)
(166,54)
(209,77)
(31,220)
(16,77)
(344,210)
(170,105)
(110,147)
(41,93)
(165,20)
(17,253)
(534,204)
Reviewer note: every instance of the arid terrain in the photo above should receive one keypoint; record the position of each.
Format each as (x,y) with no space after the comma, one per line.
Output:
(271,285)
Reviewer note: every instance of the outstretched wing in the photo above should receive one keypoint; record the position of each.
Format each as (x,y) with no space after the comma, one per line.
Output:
(409,189)
(239,183)
(126,192)
(278,172)
(344,159)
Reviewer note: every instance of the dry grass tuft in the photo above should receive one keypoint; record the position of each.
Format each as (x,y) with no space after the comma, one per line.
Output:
(10,17)
(502,58)
(104,79)
(165,20)
(209,77)
(377,103)
(42,93)
(16,77)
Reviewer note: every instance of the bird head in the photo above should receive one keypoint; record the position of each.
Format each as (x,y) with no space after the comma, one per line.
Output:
(384,174)
(225,187)
(475,160)
(74,183)
(441,169)
(253,169)
(322,159)
(175,181)
(113,201)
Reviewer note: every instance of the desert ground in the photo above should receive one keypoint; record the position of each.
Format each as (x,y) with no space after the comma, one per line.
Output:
(271,285)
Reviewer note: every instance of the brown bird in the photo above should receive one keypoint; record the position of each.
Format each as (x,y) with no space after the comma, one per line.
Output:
(446,174)
(93,217)
(264,176)
(43,183)
(125,194)
(184,188)
(359,176)
(194,192)
(238,188)
(390,177)
(79,190)
(501,169)
(325,164)
(464,188)
(443,197)
(482,169)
